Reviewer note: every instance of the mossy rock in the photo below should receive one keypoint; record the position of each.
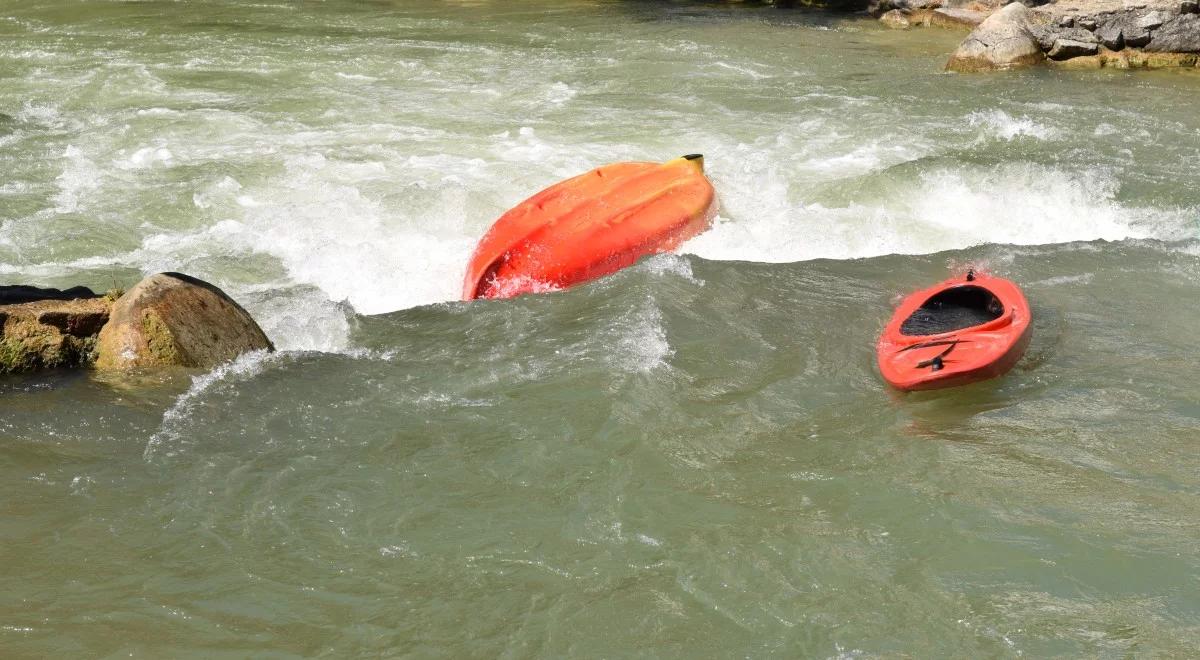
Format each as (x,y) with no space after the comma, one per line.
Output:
(171,319)
(50,334)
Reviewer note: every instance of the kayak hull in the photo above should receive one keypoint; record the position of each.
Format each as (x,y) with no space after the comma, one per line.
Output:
(590,226)
(914,355)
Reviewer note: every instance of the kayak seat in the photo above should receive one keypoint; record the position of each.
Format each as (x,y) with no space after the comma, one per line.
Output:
(953,309)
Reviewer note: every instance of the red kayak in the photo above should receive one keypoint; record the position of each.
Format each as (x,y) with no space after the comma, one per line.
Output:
(963,330)
(591,225)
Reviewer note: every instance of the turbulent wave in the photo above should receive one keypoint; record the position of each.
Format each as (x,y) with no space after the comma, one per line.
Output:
(944,209)
(362,183)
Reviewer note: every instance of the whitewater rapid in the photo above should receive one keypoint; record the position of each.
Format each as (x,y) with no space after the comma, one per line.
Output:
(364,188)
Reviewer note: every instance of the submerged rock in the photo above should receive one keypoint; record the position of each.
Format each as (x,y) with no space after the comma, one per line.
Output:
(49,333)
(1003,41)
(170,319)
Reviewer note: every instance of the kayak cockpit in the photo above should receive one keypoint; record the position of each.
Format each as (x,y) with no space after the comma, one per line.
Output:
(953,309)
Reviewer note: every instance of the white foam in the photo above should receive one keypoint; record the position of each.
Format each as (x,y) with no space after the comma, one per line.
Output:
(943,209)
(559,93)
(642,344)
(144,158)
(327,233)
(1000,124)
(80,177)
(670,264)
(301,318)
(858,159)
(744,70)
(1082,278)
(41,113)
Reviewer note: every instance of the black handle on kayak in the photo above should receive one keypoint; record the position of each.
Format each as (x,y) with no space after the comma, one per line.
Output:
(929,344)
(936,361)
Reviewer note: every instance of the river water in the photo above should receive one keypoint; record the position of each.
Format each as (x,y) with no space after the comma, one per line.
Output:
(692,458)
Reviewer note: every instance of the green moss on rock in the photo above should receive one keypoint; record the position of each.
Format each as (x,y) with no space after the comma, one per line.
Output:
(50,334)
(160,343)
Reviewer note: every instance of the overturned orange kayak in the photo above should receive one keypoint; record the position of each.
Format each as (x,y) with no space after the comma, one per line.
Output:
(963,330)
(591,225)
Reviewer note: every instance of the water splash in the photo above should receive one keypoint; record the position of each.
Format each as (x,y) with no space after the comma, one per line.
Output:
(172,430)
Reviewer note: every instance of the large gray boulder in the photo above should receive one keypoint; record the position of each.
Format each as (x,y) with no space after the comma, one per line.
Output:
(170,319)
(1003,41)
(1181,34)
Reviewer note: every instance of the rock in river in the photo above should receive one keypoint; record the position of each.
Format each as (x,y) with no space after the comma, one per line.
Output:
(1003,41)
(170,319)
(47,328)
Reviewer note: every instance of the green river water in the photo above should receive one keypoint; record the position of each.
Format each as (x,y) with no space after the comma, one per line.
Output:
(692,458)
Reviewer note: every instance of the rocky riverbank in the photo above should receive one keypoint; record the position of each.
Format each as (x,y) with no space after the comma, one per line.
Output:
(1070,33)
(168,319)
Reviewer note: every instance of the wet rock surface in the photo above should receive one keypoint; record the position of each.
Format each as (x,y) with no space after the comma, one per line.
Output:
(50,333)
(168,319)
(171,319)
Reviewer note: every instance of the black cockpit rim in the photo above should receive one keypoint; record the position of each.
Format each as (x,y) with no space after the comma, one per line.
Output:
(956,308)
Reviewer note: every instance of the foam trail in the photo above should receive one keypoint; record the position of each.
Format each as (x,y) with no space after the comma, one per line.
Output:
(943,209)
